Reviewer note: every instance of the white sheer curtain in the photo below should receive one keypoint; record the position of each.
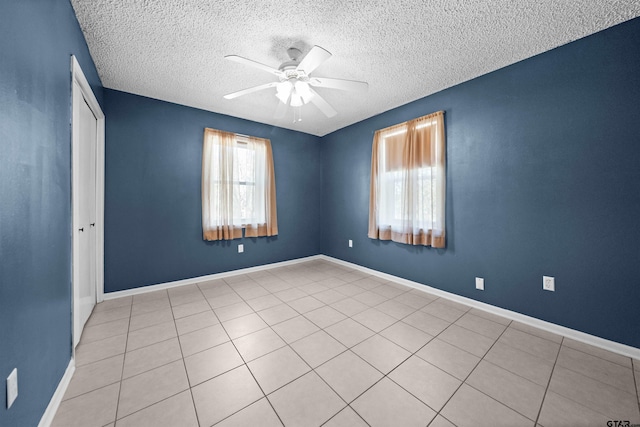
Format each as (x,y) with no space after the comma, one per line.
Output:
(407,200)
(238,186)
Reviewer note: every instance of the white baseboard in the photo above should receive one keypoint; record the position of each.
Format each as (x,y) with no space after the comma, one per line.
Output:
(613,346)
(54,403)
(194,280)
(605,344)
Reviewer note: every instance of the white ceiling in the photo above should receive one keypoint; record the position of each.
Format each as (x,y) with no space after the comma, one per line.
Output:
(174,50)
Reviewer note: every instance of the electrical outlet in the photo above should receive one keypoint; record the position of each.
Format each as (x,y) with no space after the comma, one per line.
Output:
(12,387)
(480,283)
(350,243)
(240,248)
(548,283)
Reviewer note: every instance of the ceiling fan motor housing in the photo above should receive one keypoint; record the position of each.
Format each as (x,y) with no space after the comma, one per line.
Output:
(294,54)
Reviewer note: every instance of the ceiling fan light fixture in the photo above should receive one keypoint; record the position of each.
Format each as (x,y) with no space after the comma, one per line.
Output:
(295,87)
(302,89)
(283,91)
(283,97)
(296,99)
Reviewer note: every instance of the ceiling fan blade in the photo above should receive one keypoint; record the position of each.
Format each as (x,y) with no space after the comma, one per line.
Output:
(313,59)
(281,110)
(241,60)
(323,105)
(250,90)
(339,84)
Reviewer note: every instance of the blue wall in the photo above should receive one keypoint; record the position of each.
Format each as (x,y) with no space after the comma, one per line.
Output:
(543,178)
(37,39)
(153,221)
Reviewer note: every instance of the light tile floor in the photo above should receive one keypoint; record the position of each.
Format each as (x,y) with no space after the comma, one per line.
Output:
(316,343)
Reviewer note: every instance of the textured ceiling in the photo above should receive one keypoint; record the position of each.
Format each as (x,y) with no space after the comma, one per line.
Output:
(174,50)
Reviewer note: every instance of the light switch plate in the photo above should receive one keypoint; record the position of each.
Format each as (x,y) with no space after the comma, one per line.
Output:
(350,243)
(240,248)
(480,283)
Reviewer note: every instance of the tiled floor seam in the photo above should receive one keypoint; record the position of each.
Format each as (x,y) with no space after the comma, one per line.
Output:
(601,358)
(117,307)
(354,411)
(569,398)
(464,381)
(153,343)
(184,364)
(103,358)
(124,361)
(314,371)
(102,324)
(546,390)
(148,406)
(250,372)
(268,401)
(90,391)
(411,354)
(635,381)
(502,403)
(570,368)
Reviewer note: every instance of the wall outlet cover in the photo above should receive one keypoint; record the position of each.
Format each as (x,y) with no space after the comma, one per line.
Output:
(548,283)
(12,387)
(240,248)
(480,283)
(350,243)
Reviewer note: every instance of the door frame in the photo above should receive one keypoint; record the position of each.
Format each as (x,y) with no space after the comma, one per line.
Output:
(81,92)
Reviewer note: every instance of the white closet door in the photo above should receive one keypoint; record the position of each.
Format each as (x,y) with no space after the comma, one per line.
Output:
(86,290)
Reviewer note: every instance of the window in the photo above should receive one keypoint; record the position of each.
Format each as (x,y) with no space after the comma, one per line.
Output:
(408,182)
(238,186)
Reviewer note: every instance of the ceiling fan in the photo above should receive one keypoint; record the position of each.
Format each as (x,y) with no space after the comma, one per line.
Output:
(295,85)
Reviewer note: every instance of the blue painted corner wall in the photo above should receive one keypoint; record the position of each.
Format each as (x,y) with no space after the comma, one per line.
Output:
(542,171)
(543,178)
(37,39)
(153,213)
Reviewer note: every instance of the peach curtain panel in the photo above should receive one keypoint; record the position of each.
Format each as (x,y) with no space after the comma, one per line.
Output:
(408,182)
(238,186)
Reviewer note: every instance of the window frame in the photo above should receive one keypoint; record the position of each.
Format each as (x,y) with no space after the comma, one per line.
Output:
(408,182)
(238,186)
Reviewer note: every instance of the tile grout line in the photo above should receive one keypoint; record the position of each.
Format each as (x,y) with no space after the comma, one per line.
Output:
(635,382)
(96,361)
(292,349)
(287,344)
(570,368)
(546,390)
(411,354)
(141,373)
(348,404)
(184,363)
(246,366)
(124,361)
(464,381)
(369,364)
(264,395)
(590,378)
(341,410)
(158,342)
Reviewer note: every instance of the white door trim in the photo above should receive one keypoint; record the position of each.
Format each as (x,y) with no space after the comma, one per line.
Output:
(80,89)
